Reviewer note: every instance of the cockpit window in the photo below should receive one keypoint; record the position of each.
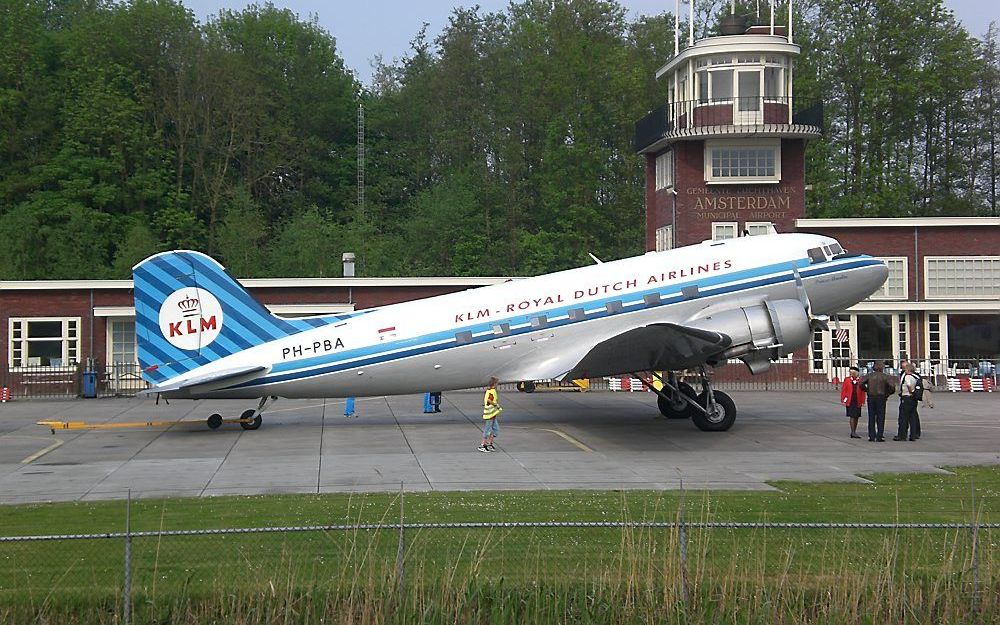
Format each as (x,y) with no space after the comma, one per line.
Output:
(837,249)
(816,255)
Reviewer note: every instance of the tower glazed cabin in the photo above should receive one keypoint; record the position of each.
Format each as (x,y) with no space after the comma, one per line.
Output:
(724,153)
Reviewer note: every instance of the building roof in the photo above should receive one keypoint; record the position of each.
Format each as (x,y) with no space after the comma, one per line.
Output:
(264,283)
(731,44)
(897,222)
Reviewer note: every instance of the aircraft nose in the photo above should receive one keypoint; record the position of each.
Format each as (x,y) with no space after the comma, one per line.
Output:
(874,276)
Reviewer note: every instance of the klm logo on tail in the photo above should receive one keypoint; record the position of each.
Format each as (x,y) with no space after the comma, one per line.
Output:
(191,318)
(189,312)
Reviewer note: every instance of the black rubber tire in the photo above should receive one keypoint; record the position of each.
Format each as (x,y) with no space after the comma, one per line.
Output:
(250,425)
(526,386)
(724,418)
(670,411)
(214,421)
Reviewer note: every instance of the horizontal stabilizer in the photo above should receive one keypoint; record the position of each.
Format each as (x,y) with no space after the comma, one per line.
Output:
(239,374)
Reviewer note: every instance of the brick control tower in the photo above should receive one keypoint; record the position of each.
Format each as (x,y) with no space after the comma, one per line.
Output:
(725,153)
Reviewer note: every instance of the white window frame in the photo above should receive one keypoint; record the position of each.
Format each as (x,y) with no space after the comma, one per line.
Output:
(712,77)
(111,321)
(901,327)
(665,170)
(711,146)
(664,238)
(718,225)
(817,335)
(881,295)
(941,355)
(928,260)
(21,344)
(779,97)
(767,225)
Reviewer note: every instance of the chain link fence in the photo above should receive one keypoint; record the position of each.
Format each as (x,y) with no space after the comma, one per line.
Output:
(529,571)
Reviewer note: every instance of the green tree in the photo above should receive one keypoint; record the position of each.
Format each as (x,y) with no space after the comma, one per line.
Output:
(241,241)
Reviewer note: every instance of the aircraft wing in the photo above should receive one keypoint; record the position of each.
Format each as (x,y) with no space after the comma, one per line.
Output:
(656,347)
(238,374)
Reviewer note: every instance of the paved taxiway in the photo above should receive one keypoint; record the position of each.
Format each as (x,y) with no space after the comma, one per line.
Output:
(547,441)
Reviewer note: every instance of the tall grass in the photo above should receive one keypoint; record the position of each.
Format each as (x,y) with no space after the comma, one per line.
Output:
(513,575)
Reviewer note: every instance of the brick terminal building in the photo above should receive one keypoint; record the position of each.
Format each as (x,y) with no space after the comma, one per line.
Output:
(723,158)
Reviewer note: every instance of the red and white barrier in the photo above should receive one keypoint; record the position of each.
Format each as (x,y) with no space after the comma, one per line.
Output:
(966,384)
(625,383)
(4,395)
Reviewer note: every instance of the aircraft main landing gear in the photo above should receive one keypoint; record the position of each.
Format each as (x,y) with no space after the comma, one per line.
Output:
(711,410)
(718,409)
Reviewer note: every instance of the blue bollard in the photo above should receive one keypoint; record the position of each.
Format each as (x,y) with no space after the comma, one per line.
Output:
(349,407)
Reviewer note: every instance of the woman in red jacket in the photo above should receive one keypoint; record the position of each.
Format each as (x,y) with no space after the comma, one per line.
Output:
(853,398)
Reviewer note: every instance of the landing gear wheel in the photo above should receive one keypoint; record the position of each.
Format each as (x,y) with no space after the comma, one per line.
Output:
(526,387)
(214,421)
(249,421)
(675,407)
(720,417)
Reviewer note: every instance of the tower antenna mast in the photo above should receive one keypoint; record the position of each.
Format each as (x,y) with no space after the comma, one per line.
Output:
(361,158)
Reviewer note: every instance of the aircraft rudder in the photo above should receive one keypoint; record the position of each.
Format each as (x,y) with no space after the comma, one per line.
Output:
(190,311)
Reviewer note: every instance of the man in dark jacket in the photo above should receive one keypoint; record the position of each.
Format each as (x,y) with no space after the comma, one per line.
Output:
(879,387)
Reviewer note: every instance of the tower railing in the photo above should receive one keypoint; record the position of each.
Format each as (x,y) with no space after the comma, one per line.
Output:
(736,115)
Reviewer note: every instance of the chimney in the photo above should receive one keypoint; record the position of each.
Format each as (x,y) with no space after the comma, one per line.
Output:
(348,258)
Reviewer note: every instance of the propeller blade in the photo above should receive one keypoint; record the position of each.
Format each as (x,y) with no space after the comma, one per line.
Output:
(816,322)
(800,289)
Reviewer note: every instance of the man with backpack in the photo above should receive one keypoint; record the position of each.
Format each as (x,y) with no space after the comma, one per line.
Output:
(911,390)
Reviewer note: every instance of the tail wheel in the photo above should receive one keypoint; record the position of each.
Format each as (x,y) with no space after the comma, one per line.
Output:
(214,421)
(675,407)
(250,420)
(720,417)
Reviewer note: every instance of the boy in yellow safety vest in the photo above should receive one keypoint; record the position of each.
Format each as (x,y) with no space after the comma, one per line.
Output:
(491,410)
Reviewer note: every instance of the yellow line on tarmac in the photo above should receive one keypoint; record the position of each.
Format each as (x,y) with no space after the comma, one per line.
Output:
(569,439)
(39,454)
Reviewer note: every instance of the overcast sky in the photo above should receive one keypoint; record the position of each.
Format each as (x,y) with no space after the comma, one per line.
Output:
(371,27)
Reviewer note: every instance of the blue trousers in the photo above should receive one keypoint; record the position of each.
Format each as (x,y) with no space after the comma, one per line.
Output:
(876,417)
(908,420)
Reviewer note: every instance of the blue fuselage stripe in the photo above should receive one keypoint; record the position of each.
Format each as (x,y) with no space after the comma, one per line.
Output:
(438,341)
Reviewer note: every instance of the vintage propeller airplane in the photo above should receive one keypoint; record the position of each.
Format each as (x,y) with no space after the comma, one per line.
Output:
(201,335)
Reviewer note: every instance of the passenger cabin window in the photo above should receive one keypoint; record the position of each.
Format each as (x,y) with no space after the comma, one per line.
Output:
(816,255)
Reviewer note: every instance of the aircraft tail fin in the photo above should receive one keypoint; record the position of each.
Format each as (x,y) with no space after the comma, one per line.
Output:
(189,312)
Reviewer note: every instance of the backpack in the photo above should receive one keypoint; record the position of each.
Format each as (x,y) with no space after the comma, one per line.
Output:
(918,388)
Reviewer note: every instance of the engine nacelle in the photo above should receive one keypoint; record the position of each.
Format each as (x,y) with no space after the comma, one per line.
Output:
(760,333)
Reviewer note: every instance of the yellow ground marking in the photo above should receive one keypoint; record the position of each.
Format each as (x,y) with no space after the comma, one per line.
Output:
(38,454)
(569,439)
(83,425)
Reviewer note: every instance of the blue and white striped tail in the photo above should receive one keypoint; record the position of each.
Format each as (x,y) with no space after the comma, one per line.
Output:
(189,312)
